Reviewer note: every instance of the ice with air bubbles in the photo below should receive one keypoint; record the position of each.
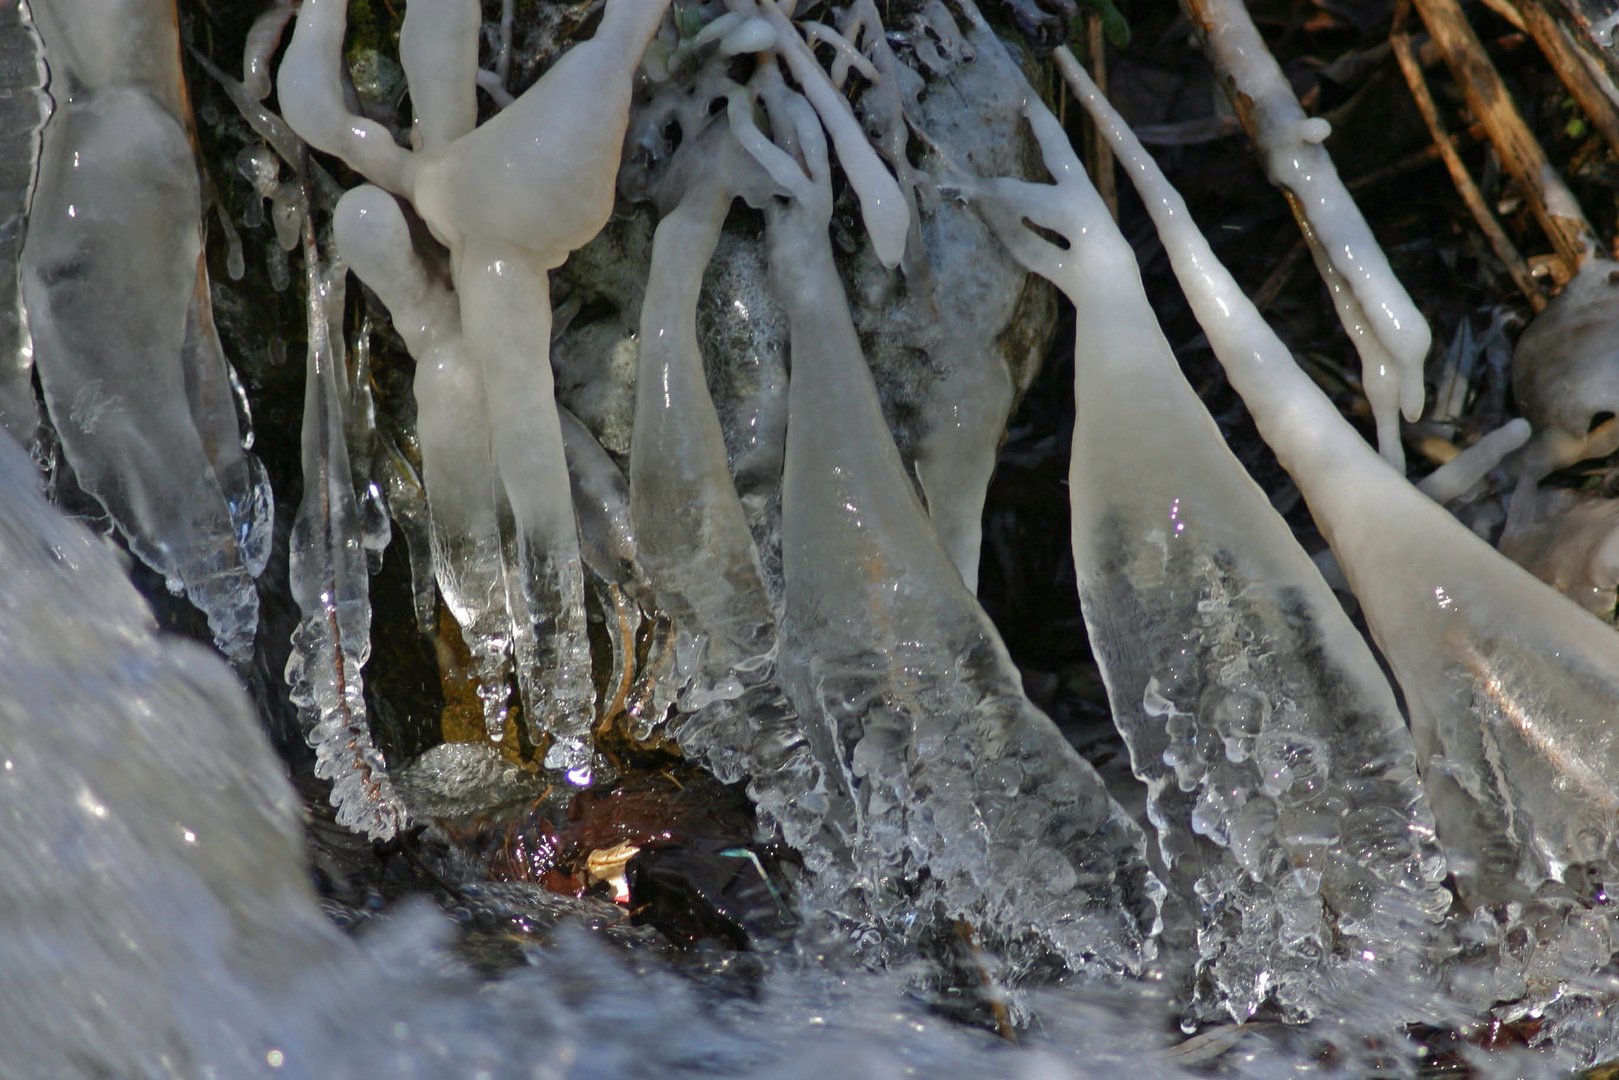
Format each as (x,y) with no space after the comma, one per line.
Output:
(714,322)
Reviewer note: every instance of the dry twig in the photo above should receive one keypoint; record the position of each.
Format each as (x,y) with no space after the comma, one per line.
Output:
(1553,205)
(1500,243)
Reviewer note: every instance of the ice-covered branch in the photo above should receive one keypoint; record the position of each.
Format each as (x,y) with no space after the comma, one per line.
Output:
(886,213)
(1387,329)
(1502,676)
(1253,710)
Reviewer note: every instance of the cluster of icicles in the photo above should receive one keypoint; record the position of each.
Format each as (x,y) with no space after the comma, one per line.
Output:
(1305,825)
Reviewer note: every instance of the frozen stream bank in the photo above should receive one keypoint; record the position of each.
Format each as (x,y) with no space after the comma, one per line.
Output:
(607,575)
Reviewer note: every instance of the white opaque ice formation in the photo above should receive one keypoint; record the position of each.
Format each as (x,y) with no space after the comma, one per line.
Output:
(1279,771)
(458,470)
(1509,685)
(510,199)
(118,308)
(1388,331)
(1565,372)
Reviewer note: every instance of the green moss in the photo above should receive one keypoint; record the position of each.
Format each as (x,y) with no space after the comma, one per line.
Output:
(374,27)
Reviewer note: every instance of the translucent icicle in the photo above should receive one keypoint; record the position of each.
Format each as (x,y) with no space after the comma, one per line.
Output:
(457,465)
(601,500)
(506,326)
(510,199)
(1280,774)
(965,795)
(693,537)
(329,583)
(23,110)
(1386,327)
(365,442)
(128,358)
(407,505)
(1509,685)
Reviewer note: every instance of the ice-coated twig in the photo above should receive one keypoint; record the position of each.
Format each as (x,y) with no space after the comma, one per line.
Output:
(1379,316)
(1463,472)
(310,90)
(263,39)
(490,84)
(1279,771)
(886,214)
(438,48)
(329,583)
(510,199)
(772,158)
(503,54)
(847,55)
(960,786)
(1502,676)
(1521,156)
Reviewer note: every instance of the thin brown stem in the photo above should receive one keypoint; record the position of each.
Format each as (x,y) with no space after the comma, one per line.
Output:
(1571,69)
(1553,205)
(1098,155)
(1500,243)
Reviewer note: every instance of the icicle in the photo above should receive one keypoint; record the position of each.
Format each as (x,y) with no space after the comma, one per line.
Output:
(1280,774)
(457,469)
(23,111)
(506,326)
(363,439)
(511,199)
(882,205)
(601,500)
(693,535)
(694,541)
(1467,469)
(960,786)
(1386,327)
(407,505)
(961,394)
(329,583)
(1507,682)
(128,359)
